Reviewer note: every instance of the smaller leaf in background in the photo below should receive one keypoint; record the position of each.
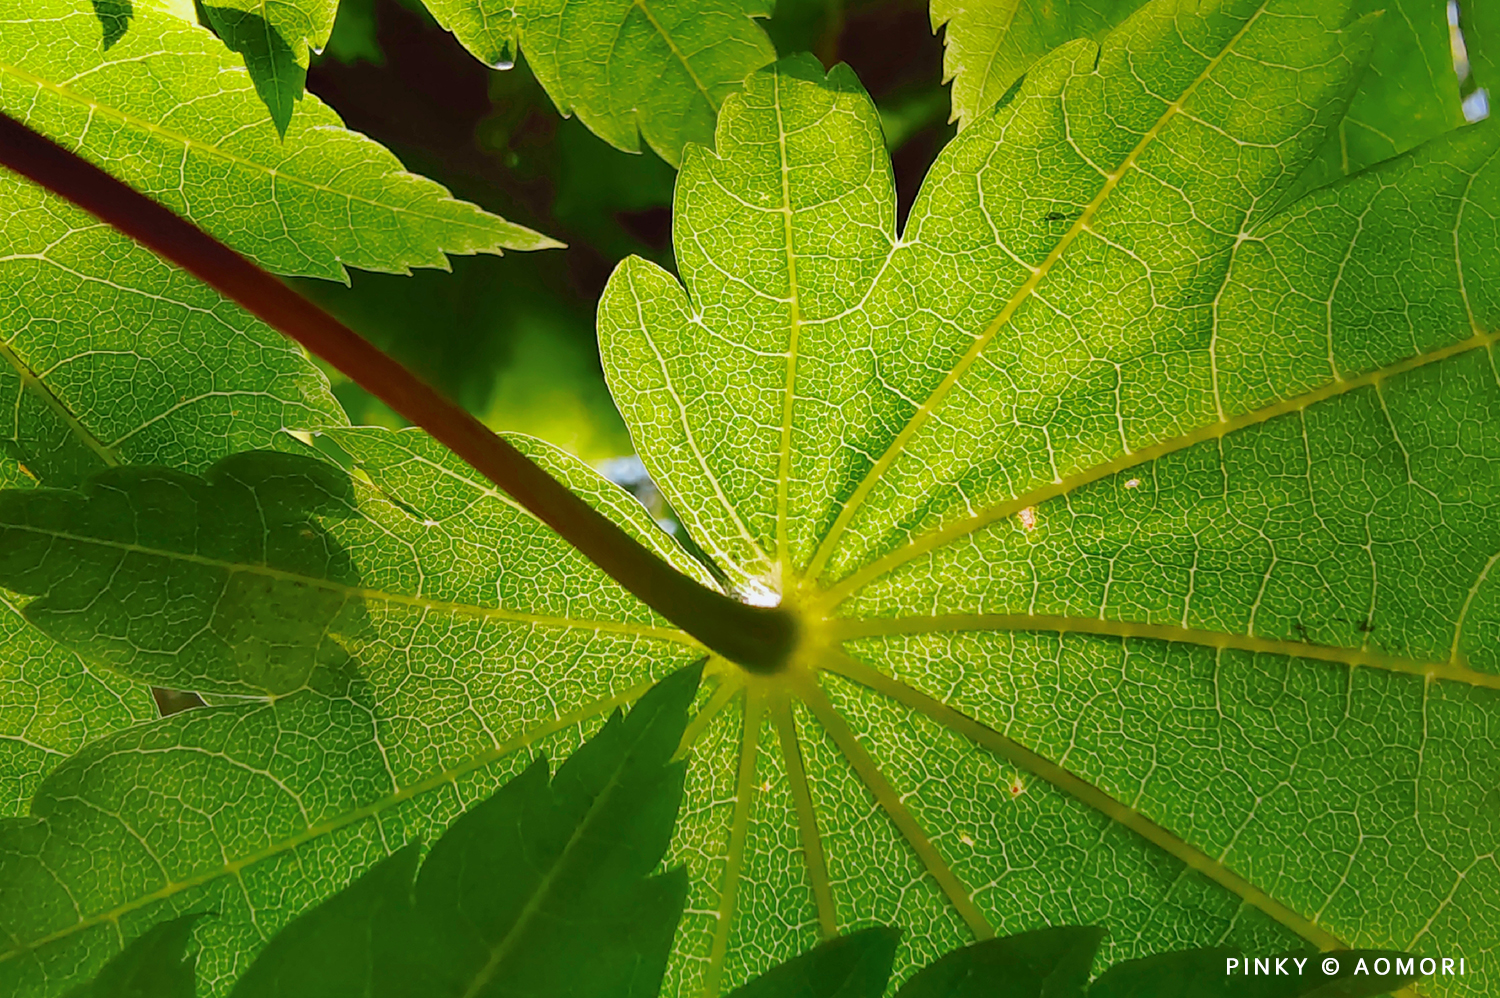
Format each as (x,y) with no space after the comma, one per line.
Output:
(856,965)
(625,68)
(1043,963)
(114,18)
(544,888)
(1225,973)
(354,37)
(1480,23)
(273,39)
(192,583)
(988,45)
(154,965)
(1408,95)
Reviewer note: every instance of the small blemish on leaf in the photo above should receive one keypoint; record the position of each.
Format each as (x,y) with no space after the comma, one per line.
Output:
(1027,517)
(1134,483)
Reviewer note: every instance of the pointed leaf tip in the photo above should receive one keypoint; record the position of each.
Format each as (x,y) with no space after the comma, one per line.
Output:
(856,965)
(1044,963)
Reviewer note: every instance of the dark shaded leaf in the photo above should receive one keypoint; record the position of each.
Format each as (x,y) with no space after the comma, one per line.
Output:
(856,965)
(546,888)
(1043,963)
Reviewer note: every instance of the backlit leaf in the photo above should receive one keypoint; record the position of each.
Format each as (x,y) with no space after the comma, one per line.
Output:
(660,69)
(1409,93)
(463,632)
(988,44)
(1140,520)
(173,113)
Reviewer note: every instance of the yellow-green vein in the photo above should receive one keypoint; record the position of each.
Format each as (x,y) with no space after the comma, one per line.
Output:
(807,815)
(30,379)
(784,460)
(1084,792)
(1080,225)
(885,795)
(846,629)
(677,54)
(729,683)
(378,595)
(946,534)
(734,861)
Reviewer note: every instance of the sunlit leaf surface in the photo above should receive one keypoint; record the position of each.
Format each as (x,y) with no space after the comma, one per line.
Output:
(169,109)
(1409,93)
(1143,538)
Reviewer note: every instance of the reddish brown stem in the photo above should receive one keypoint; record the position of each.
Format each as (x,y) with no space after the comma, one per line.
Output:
(758,638)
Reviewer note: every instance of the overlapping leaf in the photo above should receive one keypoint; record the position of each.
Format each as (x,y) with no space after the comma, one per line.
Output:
(660,69)
(110,357)
(51,703)
(544,888)
(456,632)
(154,965)
(988,44)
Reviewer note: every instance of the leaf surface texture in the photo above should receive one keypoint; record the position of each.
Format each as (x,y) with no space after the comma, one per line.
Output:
(1140,515)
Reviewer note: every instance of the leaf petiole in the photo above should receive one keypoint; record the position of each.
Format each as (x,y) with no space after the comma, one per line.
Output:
(759,638)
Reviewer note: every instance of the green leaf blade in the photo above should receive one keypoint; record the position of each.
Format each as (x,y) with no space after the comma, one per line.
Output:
(169,111)
(853,966)
(467,626)
(1043,963)
(51,704)
(773,303)
(1083,605)
(152,966)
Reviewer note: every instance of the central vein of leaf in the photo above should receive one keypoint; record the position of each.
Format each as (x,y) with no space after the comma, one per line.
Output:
(784,461)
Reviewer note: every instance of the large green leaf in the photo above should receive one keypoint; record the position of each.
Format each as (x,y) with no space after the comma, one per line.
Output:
(1142,542)
(661,68)
(168,109)
(1120,610)
(107,357)
(1408,95)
